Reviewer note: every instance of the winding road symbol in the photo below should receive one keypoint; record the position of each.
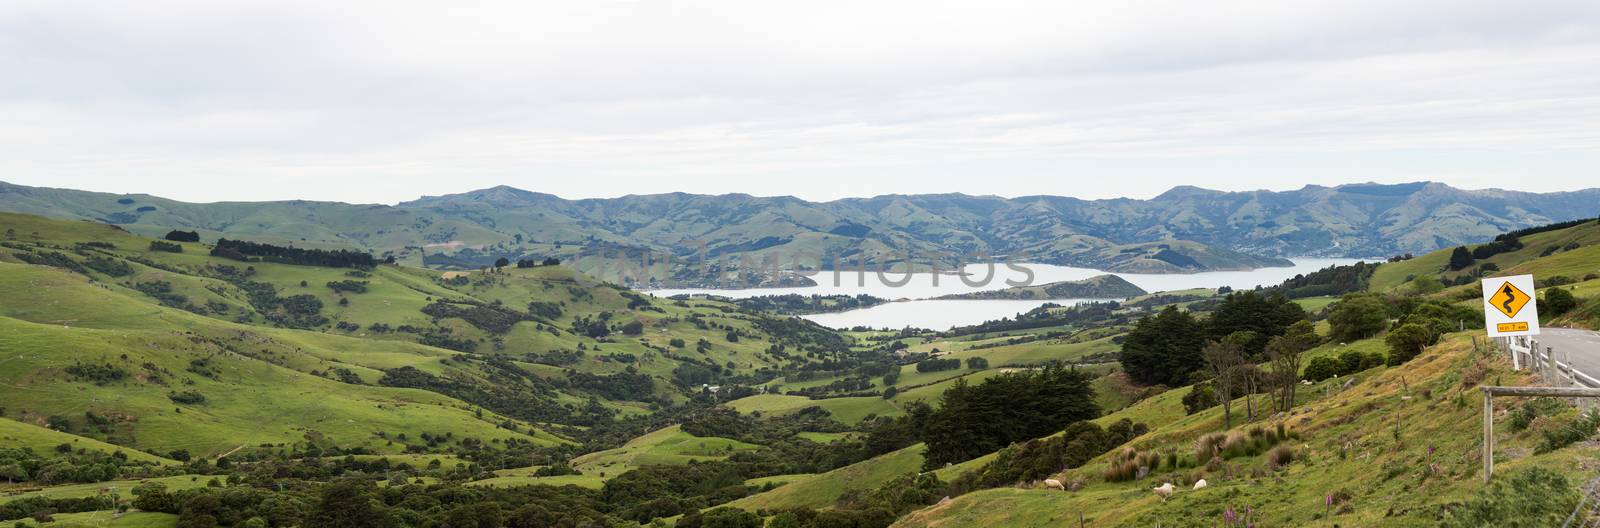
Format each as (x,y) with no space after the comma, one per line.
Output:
(1509,300)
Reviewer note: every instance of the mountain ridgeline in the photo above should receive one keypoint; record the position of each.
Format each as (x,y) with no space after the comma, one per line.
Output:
(691,240)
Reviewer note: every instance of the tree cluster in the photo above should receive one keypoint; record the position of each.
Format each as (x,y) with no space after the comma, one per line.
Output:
(242,250)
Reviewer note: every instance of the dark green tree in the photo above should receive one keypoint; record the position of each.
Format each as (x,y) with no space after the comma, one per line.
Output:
(1460,258)
(1267,316)
(350,503)
(1164,348)
(973,420)
(1556,302)
(1358,316)
(1408,340)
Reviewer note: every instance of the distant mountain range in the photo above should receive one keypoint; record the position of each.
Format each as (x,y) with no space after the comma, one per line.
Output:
(1186,229)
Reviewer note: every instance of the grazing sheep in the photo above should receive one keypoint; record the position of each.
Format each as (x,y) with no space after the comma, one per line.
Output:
(1200,484)
(1164,491)
(1053,483)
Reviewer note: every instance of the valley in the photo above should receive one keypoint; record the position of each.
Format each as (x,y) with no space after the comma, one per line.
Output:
(174,371)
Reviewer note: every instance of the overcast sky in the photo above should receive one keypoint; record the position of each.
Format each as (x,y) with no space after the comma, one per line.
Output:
(384,101)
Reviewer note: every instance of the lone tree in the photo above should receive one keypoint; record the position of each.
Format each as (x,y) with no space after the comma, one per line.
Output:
(1285,352)
(502,262)
(1225,363)
(1460,258)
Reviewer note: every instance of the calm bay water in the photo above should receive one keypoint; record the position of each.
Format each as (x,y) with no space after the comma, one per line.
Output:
(916,308)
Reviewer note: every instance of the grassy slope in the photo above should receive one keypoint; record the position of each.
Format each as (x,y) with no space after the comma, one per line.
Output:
(252,401)
(44,441)
(666,446)
(106,519)
(70,302)
(1574,264)
(822,490)
(70,491)
(847,410)
(1384,431)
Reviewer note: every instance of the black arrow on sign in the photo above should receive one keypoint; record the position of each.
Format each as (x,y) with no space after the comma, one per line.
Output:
(1511,295)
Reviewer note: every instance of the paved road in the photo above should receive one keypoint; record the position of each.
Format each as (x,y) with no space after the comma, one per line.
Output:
(1583,345)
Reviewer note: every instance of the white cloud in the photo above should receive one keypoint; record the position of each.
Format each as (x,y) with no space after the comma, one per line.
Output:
(383,101)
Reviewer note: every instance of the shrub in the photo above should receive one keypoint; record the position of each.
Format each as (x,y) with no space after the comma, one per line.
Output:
(937,365)
(1557,302)
(1409,340)
(1323,367)
(351,286)
(99,374)
(183,236)
(168,247)
(187,397)
(1566,429)
(1523,415)
(1280,456)
(1200,398)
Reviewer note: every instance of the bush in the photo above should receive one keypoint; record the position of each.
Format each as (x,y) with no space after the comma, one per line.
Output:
(1323,367)
(187,397)
(1357,316)
(1280,456)
(168,247)
(723,517)
(99,374)
(1565,429)
(351,286)
(1409,340)
(183,236)
(1200,398)
(1557,302)
(1523,415)
(937,365)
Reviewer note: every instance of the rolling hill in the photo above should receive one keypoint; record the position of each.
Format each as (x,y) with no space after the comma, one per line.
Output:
(673,239)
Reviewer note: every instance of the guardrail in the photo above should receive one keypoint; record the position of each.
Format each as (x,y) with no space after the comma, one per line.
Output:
(1527,353)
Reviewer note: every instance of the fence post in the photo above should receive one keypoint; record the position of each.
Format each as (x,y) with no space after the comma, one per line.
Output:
(1488,436)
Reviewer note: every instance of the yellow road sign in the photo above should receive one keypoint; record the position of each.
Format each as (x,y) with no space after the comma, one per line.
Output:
(1511,310)
(1509,300)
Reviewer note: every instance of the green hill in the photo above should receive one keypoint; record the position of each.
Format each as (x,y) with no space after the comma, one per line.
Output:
(1184,230)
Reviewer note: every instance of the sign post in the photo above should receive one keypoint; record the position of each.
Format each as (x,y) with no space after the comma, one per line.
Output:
(1509,307)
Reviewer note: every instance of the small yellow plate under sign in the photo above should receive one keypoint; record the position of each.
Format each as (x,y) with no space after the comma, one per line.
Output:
(1512,327)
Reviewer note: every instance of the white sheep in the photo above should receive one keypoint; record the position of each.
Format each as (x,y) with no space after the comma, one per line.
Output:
(1164,491)
(1055,484)
(1200,484)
